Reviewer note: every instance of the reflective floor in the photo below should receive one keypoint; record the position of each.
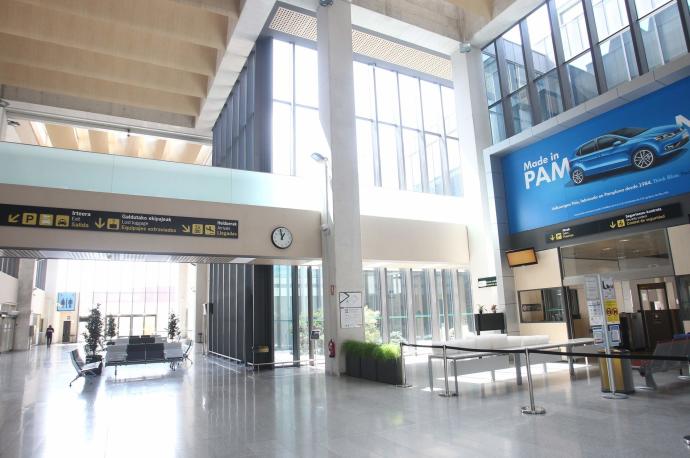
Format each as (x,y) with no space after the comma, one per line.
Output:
(213,408)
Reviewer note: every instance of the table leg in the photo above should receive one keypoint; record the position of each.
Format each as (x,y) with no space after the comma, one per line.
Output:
(571,361)
(455,374)
(431,376)
(518,369)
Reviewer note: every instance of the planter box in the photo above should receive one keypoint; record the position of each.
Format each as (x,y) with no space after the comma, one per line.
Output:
(95,359)
(390,371)
(352,366)
(368,368)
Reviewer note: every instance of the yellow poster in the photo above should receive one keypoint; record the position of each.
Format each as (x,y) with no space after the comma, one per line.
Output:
(611,307)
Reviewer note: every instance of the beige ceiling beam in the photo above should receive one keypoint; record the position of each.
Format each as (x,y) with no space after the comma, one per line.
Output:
(26,133)
(177,21)
(105,37)
(62,136)
(99,141)
(482,8)
(49,56)
(230,8)
(84,87)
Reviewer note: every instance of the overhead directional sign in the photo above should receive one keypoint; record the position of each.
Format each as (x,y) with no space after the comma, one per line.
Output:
(647,216)
(119,222)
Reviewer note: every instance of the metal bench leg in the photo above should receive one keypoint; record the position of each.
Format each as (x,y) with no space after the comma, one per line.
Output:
(493,375)
(74,379)
(518,369)
(650,384)
(455,374)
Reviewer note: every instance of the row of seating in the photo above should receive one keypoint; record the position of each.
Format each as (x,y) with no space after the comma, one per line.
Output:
(679,347)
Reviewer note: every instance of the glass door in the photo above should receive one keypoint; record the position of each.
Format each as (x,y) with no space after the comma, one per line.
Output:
(397,306)
(660,322)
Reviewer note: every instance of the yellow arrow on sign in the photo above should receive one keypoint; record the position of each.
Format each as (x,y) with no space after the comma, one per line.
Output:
(13,218)
(100,223)
(185,228)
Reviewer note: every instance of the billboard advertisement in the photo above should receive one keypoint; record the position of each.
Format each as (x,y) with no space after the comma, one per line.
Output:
(631,155)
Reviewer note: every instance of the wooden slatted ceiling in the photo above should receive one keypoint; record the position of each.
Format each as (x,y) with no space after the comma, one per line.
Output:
(152,54)
(110,142)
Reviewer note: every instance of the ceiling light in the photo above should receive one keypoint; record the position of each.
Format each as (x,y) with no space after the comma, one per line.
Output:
(325,2)
(242,260)
(13,123)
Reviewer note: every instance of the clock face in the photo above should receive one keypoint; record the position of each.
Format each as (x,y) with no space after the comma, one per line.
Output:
(281,237)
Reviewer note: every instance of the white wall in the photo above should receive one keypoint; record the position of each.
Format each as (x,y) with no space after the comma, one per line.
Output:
(679,239)
(545,274)
(8,289)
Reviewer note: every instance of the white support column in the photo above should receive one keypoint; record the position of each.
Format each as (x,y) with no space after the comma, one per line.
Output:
(474,132)
(342,251)
(201,298)
(3,123)
(27,272)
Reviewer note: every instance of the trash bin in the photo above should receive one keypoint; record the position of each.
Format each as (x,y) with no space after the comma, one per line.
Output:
(622,373)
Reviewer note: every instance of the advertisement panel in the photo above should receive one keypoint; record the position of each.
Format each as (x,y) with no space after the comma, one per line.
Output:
(631,155)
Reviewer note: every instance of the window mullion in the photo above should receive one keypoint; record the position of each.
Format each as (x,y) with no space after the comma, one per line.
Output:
(421,139)
(503,81)
(377,153)
(402,178)
(566,90)
(531,75)
(636,35)
(597,61)
(293,104)
(685,20)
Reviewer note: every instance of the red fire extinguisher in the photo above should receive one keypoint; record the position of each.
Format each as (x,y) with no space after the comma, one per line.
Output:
(331,349)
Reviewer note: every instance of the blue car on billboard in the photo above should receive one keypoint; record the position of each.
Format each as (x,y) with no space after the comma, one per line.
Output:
(628,147)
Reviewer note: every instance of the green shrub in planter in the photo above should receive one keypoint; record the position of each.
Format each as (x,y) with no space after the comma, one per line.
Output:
(389,364)
(353,354)
(368,361)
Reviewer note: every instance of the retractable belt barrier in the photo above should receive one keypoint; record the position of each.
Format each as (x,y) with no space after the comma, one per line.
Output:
(531,409)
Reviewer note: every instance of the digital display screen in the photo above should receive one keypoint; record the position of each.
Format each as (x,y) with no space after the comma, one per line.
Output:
(523,257)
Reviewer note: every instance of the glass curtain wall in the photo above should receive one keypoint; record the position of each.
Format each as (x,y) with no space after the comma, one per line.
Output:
(139,295)
(405,310)
(407,134)
(282,313)
(566,52)
(287,320)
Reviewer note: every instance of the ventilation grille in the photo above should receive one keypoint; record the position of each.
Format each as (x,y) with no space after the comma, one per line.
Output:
(304,26)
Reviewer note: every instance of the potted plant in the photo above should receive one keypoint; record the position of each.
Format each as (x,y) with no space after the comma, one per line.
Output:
(388,364)
(173,327)
(493,308)
(368,361)
(352,350)
(93,335)
(110,328)
(481,309)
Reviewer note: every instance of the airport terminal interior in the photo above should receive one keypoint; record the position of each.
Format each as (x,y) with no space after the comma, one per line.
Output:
(377,228)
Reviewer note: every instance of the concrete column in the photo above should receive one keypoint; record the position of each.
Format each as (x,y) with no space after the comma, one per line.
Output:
(342,250)
(201,297)
(182,294)
(3,123)
(27,271)
(475,135)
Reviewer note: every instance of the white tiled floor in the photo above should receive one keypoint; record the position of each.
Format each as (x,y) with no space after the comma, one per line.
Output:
(215,408)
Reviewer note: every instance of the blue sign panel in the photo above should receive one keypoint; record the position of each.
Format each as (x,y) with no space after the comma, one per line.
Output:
(66,302)
(632,155)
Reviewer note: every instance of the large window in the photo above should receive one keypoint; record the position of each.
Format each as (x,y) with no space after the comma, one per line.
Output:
(406,126)
(566,52)
(139,295)
(417,305)
(282,313)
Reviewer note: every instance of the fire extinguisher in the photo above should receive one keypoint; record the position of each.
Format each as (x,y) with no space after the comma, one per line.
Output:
(331,349)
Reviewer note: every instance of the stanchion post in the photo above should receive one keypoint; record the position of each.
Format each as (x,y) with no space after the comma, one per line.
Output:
(531,409)
(446,393)
(402,363)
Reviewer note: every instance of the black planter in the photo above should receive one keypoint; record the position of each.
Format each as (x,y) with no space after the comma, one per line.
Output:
(352,366)
(390,371)
(368,368)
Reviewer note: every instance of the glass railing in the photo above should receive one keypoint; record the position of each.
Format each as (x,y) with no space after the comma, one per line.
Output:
(31,165)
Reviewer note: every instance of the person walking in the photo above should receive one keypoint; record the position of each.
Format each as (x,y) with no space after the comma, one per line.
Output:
(49,334)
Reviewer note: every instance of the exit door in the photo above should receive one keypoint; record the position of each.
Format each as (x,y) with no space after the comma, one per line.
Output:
(66,326)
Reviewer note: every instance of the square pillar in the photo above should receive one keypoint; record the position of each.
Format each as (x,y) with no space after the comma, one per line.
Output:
(341,239)
(27,273)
